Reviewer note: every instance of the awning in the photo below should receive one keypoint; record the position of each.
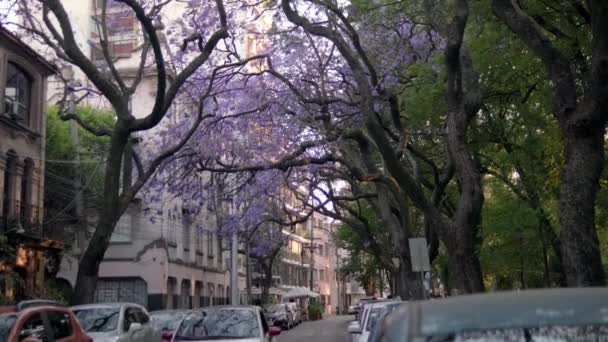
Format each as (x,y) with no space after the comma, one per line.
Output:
(272,291)
(297,292)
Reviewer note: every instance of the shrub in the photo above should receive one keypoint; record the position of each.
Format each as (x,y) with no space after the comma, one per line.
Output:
(315,311)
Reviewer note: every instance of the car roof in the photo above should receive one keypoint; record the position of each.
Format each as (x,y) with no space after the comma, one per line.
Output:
(104,305)
(161,312)
(224,307)
(512,309)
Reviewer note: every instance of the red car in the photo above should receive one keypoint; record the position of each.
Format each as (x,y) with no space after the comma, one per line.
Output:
(40,323)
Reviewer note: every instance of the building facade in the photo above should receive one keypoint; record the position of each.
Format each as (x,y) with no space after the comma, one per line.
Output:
(23,79)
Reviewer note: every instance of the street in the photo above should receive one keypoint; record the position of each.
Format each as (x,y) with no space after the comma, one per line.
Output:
(330,329)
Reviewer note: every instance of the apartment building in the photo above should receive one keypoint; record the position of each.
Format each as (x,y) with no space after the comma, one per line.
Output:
(23,76)
(308,254)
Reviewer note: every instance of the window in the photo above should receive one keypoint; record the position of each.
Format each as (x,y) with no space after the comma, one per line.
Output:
(122,231)
(219,251)
(141,316)
(186,237)
(171,228)
(132,290)
(209,244)
(60,323)
(199,240)
(17,93)
(34,328)
(119,48)
(322,275)
(130,317)
(321,250)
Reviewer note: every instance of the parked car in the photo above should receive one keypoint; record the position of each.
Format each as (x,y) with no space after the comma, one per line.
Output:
(280,315)
(353,309)
(117,322)
(374,334)
(40,323)
(361,329)
(167,321)
(226,323)
(296,312)
(574,314)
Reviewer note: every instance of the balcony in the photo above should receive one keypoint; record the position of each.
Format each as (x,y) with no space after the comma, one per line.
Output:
(22,218)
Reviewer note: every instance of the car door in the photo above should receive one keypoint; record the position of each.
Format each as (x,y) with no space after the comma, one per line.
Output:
(265,327)
(33,327)
(61,326)
(130,316)
(152,334)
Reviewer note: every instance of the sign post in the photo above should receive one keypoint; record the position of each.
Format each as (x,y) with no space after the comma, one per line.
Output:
(419,256)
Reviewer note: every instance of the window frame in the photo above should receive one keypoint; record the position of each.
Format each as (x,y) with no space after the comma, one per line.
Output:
(36,107)
(21,69)
(70,323)
(43,319)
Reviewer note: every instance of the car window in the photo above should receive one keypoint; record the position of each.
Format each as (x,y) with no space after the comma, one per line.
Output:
(166,320)
(371,320)
(141,316)
(60,323)
(34,327)
(6,325)
(131,316)
(98,319)
(543,333)
(219,323)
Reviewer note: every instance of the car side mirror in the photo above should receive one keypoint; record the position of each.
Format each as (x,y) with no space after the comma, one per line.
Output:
(354,329)
(134,327)
(274,331)
(167,336)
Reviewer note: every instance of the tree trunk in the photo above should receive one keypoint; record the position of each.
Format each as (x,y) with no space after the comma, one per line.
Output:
(584,160)
(582,121)
(266,284)
(464,101)
(409,286)
(88,267)
(464,267)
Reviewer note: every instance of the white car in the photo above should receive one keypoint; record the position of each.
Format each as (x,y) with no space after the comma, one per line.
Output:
(226,323)
(361,328)
(116,322)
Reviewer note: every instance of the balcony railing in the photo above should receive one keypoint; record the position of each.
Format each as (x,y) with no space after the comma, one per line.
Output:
(21,217)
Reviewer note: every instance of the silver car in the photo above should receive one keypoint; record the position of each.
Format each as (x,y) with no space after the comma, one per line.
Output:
(238,323)
(116,322)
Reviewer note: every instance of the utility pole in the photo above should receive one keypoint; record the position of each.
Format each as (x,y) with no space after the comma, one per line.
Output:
(312,255)
(339,308)
(234,271)
(248,273)
(81,226)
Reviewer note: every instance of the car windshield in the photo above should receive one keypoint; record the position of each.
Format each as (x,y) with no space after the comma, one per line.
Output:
(98,319)
(6,324)
(163,321)
(217,324)
(275,308)
(541,334)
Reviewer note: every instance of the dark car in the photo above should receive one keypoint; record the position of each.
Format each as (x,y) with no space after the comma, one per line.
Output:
(576,314)
(279,315)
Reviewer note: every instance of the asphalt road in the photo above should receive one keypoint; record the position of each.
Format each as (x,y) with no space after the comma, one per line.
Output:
(329,329)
